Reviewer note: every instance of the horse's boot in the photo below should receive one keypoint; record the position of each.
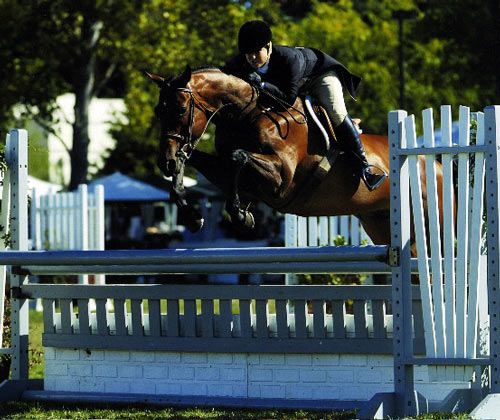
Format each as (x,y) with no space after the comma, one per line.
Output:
(349,137)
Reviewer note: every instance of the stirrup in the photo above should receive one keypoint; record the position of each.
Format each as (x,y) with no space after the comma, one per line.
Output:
(372,181)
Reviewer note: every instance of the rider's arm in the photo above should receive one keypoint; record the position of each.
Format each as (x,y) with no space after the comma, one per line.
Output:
(291,71)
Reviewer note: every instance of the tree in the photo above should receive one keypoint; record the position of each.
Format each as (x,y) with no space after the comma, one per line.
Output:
(72,46)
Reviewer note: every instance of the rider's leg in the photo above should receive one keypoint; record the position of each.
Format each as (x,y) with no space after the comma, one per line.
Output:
(327,89)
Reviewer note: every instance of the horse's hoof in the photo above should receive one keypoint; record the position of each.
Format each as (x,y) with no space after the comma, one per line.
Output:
(249,220)
(195,225)
(194,219)
(245,219)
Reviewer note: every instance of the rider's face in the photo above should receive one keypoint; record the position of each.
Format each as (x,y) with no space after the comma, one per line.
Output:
(258,58)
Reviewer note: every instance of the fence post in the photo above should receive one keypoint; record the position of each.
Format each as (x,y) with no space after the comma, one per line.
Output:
(99,235)
(18,162)
(404,403)
(83,226)
(4,222)
(492,140)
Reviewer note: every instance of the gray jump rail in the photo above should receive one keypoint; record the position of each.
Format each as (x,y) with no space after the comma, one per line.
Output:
(346,259)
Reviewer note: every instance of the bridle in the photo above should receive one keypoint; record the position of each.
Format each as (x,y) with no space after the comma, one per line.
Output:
(188,143)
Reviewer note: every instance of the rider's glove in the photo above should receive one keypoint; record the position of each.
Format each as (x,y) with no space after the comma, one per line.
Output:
(254,79)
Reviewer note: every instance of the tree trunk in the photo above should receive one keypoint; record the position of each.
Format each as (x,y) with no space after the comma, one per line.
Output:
(84,91)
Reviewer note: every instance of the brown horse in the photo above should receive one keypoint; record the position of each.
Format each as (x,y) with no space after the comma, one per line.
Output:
(264,153)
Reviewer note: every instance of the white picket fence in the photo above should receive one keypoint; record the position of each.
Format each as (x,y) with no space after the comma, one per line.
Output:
(453,283)
(69,220)
(321,231)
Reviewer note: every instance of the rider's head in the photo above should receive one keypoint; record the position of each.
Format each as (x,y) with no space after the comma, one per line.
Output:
(254,41)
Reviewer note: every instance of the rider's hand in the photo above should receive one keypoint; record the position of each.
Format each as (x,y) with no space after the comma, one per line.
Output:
(254,79)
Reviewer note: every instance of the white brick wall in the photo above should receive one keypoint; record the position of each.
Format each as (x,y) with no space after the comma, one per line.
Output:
(293,376)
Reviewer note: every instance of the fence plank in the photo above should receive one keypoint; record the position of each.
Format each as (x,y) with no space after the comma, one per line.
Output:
(378,317)
(282,318)
(319,318)
(120,319)
(66,316)
(172,318)
(207,318)
(226,317)
(360,326)
(102,317)
(338,315)
(475,244)
(49,309)
(261,316)
(300,311)
(189,318)
(154,317)
(137,321)
(83,317)
(434,234)
(462,233)
(420,235)
(448,232)
(245,318)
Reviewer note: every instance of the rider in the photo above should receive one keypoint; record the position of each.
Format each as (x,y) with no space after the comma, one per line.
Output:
(284,71)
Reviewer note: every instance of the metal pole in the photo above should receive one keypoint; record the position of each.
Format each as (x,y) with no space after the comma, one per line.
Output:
(401,16)
(198,256)
(404,385)
(492,139)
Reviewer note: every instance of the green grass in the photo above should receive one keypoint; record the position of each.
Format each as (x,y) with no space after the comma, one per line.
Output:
(35,345)
(38,410)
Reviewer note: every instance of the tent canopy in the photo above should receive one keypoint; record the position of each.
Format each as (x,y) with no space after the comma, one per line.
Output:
(120,187)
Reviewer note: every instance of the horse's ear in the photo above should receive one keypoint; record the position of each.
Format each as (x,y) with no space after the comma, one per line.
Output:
(185,77)
(155,77)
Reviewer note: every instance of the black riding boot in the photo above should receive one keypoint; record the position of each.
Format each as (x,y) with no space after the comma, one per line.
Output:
(349,138)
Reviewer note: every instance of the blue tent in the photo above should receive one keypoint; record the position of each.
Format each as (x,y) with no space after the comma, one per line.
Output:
(119,187)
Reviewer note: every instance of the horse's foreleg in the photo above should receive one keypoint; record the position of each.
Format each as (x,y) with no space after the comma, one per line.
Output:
(194,219)
(239,159)
(224,173)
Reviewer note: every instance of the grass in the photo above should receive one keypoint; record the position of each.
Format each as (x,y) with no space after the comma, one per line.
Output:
(39,410)
(36,348)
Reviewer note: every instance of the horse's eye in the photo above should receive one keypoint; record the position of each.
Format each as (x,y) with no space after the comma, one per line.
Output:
(182,110)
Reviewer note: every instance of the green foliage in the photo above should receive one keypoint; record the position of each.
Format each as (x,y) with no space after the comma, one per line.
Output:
(6,342)
(332,278)
(42,48)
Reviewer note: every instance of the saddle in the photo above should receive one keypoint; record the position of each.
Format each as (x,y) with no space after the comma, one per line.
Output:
(319,116)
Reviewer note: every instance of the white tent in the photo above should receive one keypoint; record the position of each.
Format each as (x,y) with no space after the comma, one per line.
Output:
(42,187)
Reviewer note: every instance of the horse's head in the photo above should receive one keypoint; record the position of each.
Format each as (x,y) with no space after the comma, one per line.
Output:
(182,121)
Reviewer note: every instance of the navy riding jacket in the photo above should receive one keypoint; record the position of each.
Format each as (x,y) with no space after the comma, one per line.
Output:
(290,68)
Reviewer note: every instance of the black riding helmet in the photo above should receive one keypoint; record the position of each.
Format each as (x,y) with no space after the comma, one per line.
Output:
(254,35)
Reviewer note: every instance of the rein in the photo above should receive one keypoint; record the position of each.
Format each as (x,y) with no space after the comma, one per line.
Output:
(286,106)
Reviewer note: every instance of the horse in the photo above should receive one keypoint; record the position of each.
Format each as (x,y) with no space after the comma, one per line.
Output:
(265,153)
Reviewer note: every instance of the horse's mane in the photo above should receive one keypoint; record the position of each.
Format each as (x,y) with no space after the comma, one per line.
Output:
(205,69)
